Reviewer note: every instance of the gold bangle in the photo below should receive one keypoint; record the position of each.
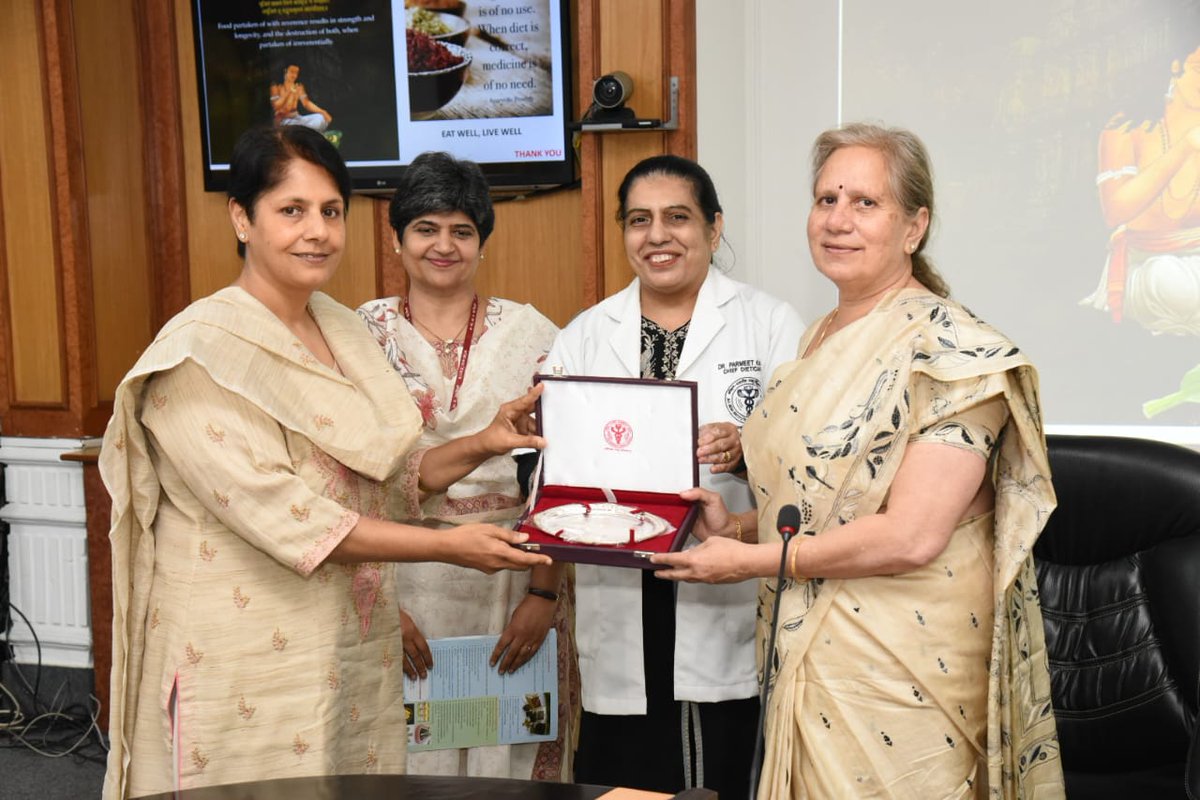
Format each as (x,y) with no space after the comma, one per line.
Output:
(737,527)
(796,542)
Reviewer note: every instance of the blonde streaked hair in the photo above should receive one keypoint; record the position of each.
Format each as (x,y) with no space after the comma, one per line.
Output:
(910,178)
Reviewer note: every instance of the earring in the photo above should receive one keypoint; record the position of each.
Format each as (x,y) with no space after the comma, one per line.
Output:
(1170,89)
(397,249)
(481,256)
(241,236)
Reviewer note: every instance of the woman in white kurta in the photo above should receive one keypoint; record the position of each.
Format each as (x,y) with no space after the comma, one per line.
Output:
(910,657)
(249,460)
(460,356)
(671,673)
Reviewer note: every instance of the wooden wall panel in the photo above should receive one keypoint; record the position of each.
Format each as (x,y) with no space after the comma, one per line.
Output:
(534,255)
(354,282)
(58,254)
(6,350)
(167,215)
(631,42)
(37,363)
(650,41)
(114,171)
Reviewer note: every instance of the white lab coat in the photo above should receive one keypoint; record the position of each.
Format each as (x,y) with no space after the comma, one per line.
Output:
(737,337)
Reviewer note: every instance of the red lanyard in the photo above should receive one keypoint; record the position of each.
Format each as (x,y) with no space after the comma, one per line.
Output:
(466,347)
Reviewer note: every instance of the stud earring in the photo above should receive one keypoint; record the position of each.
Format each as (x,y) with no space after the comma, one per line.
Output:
(397,249)
(481,256)
(241,236)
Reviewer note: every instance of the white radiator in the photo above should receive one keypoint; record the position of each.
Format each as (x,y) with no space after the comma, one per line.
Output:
(47,550)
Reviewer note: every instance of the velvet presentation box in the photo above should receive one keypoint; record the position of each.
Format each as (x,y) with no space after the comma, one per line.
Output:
(616,440)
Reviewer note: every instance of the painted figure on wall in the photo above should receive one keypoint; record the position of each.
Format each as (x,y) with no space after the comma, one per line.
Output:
(1149,185)
(288,97)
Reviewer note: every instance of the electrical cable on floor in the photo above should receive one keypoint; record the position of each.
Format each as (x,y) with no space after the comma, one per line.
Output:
(49,729)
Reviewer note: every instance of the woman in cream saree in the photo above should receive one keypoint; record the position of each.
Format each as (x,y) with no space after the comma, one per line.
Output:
(880,679)
(910,658)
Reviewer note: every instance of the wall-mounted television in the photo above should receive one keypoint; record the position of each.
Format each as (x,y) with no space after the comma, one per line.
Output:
(385,80)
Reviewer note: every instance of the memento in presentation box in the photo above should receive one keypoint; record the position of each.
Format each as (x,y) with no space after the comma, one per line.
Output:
(618,453)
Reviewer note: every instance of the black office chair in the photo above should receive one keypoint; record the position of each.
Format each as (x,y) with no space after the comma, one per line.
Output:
(1119,573)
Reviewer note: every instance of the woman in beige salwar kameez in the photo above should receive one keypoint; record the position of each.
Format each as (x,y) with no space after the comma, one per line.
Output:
(910,660)
(249,460)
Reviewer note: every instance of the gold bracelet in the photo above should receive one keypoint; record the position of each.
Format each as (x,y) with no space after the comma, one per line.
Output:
(737,527)
(796,542)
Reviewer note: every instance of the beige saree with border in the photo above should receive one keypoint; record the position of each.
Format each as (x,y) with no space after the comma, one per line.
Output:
(928,684)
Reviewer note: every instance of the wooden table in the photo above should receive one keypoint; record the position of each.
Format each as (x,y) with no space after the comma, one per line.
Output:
(405,787)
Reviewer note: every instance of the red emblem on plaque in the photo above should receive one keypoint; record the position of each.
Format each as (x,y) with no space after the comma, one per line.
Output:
(618,433)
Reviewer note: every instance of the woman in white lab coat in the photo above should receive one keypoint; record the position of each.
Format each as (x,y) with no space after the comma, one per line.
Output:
(670,691)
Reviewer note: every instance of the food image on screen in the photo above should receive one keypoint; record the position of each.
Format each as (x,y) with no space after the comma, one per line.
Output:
(426,55)
(386,80)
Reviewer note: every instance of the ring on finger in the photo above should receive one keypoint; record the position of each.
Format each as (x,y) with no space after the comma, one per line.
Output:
(724,456)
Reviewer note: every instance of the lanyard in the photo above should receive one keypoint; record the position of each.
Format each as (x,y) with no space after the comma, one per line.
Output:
(466,347)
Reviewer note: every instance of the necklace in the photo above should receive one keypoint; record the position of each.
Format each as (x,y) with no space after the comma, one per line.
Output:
(1189,199)
(439,343)
(445,348)
(437,338)
(825,329)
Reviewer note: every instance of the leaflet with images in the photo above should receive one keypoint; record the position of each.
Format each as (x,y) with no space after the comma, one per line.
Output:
(465,702)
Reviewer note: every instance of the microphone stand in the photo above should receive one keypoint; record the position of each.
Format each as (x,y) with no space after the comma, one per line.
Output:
(769,661)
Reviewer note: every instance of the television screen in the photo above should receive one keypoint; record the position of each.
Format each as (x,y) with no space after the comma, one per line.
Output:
(385,80)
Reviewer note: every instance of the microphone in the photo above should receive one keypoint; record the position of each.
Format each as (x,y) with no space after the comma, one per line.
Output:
(787,523)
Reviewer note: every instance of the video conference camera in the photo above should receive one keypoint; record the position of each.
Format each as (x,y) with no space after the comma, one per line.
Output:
(613,90)
(608,112)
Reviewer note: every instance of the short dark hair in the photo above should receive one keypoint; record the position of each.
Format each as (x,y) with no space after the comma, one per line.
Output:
(675,167)
(260,160)
(439,183)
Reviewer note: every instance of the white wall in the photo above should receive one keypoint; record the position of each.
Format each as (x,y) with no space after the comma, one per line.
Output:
(759,109)
(1010,100)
